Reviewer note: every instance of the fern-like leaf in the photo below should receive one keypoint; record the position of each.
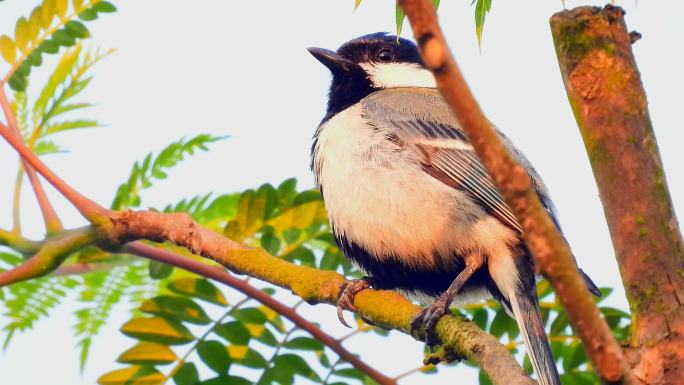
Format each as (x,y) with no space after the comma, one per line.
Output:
(41,34)
(154,167)
(100,292)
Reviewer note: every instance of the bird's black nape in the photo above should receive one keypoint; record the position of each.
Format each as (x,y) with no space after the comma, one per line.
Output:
(352,84)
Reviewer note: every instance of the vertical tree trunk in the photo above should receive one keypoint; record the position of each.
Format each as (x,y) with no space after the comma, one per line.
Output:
(608,100)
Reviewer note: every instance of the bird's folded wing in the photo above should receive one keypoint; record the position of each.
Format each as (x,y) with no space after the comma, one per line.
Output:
(418,119)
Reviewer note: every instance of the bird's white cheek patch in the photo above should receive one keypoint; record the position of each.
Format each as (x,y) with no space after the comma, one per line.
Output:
(390,75)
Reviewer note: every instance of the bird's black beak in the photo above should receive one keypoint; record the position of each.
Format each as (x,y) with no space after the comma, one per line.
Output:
(331,59)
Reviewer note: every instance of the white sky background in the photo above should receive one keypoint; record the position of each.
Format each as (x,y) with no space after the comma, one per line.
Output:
(240,68)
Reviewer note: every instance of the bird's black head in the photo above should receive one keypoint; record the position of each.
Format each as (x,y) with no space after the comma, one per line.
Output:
(370,63)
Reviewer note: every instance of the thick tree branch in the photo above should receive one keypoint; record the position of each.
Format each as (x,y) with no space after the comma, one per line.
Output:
(49,257)
(220,275)
(52,222)
(549,249)
(609,102)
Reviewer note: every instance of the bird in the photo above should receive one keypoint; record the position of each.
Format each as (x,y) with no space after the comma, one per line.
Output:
(409,201)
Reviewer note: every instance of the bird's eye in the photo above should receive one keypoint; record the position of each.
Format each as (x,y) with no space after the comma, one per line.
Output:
(384,55)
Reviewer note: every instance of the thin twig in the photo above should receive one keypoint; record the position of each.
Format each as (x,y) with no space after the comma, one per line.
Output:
(52,222)
(547,246)
(275,353)
(89,209)
(331,371)
(16,200)
(412,371)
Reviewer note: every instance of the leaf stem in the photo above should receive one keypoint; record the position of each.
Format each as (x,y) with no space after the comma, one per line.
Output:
(275,353)
(202,337)
(412,371)
(16,200)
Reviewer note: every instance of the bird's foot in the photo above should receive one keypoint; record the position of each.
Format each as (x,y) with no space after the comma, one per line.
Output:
(427,319)
(345,301)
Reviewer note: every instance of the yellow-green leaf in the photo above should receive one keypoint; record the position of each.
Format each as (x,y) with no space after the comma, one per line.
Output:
(299,217)
(157,329)
(356,4)
(148,353)
(21,34)
(399,18)
(49,9)
(198,288)
(134,375)
(482,7)
(8,49)
(255,330)
(61,6)
(66,64)
(180,308)
(35,23)
(78,5)
(237,352)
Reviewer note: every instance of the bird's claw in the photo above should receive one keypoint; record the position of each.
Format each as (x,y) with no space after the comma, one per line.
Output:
(427,319)
(345,301)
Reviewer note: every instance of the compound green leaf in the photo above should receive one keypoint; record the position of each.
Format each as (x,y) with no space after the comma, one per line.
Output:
(215,355)
(233,332)
(199,288)
(187,375)
(134,375)
(296,365)
(243,355)
(304,343)
(178,308)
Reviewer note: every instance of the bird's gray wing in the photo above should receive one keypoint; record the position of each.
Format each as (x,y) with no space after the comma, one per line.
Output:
(419,120)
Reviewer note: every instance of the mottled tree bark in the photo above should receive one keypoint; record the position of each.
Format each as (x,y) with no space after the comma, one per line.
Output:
(609,103)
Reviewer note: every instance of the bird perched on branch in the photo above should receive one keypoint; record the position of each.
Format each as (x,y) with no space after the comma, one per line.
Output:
(410,202)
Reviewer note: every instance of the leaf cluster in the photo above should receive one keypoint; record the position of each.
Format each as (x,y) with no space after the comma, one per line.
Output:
(51,25)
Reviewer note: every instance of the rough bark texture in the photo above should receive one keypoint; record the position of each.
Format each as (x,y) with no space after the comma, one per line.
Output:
(550,251)
(608,100)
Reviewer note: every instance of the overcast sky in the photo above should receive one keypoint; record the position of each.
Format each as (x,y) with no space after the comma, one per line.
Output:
(240,68)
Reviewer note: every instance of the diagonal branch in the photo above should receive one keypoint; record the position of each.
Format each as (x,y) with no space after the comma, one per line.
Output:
(90,210)
(549,249)
(52,222)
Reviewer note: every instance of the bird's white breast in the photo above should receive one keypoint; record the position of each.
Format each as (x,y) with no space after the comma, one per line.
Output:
(378,196)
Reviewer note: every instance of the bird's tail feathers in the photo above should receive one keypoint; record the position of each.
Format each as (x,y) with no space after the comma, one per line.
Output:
(526,310)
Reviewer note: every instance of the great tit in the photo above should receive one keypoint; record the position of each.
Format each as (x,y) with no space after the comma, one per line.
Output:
(408,199)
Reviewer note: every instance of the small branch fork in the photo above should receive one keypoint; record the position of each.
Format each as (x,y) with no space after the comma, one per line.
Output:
(549,249)
(111,230)
(52,222)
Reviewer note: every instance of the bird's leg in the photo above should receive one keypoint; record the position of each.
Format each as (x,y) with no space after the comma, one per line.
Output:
(429,315)
(345,300)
